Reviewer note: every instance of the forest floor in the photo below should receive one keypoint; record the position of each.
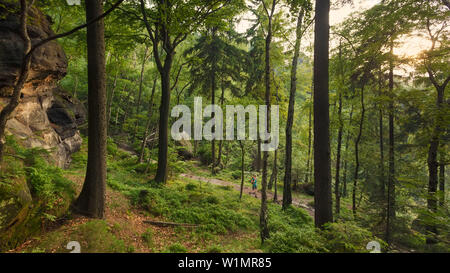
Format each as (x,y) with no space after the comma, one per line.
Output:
(124,230)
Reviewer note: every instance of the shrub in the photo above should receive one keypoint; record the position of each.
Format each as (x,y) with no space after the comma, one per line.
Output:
(295,240)
(147,237)
(79,160)
(49,185)
(211,199)
(191,187)
(112,147)
(95,236)
(348,237)
(177,248)
(214,249)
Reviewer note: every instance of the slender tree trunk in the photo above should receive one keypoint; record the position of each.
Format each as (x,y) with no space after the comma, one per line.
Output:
(242,168)
(338,160)
(357,163)
(149,160)
(126,108)
(149,121)
(138,104)
(322,164)
(264,213)
(110,100)
(344,177)
(219,157)
(381,141)
(92,197)
(258,155)
(287,194)
(347,142)
(442,183)
(308,160)
(213,142)
(390,214)
(337,189)
(274,172)
(432,184)
(275,176)
(433,164)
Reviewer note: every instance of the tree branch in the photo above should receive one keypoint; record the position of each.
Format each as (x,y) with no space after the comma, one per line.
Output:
(57,36)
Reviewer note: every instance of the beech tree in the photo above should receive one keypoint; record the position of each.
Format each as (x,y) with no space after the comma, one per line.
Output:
(167,32)
(299,8)
(91,200)
(322,162)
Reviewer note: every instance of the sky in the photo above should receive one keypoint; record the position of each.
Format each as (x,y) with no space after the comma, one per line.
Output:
(409,46)
(336,15)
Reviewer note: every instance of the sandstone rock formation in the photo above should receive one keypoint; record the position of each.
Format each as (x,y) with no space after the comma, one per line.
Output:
(47,117)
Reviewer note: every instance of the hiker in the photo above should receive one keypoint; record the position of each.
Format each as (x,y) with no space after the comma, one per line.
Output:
(254,183)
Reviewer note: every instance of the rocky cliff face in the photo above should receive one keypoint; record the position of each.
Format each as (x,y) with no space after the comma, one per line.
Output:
(47,117)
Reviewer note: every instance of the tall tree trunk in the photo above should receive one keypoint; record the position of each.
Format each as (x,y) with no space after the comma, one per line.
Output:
(163,138)
(287,194)
(322,164)
(264,213)
(357,163)
(149,121)
(92,197)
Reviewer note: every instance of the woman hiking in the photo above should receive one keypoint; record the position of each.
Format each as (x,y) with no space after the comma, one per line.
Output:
(254,184)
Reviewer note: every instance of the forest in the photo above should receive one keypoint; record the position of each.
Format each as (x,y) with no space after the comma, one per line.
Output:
(224,126)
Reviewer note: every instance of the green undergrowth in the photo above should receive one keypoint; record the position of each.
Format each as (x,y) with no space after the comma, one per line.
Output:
(33,193)
(222,222)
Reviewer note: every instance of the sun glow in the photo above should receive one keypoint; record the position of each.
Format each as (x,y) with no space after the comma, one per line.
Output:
(411,46)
